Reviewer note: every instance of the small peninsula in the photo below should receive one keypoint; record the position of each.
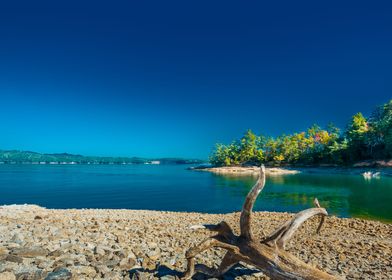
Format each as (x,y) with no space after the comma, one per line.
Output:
(365,142)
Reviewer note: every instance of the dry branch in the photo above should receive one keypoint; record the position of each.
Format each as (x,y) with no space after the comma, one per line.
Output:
(268,255)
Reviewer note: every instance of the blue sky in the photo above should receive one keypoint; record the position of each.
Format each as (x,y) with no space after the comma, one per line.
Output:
(163,78)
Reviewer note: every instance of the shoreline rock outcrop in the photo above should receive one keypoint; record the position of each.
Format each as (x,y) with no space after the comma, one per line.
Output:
(282,171)
(249,171)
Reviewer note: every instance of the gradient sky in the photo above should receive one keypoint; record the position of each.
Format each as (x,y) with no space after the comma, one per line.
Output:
(164,78)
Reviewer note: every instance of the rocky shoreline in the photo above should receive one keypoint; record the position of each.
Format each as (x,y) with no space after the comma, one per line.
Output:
(279,171)
(39,243)
(249,171)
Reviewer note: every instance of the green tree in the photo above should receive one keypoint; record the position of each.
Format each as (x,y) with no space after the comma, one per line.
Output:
(356,135)
(218,156)
(357,128)
(226,155)
(270,149)
(380,132)
(247,147)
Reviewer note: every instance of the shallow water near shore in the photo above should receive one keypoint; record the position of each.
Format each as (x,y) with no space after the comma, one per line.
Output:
(173,188)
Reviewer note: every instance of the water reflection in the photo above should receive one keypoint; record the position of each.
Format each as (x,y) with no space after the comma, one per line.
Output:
(342,195)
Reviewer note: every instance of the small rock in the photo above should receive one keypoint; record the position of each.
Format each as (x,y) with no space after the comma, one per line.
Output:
(127,263)
(168,277)
(154,255)
(113,275)
(173,261)
(112,263)
(59,274)
(152,245)
(56,253)
(258,274)
(12,245)
(149,264)
(86,270)
(99,250)
(30,252)
(102,269)
(139,275)
(15,259)
(45,264)
(17,238)
(30,274)
(7,276)
(3,250)
(342,257)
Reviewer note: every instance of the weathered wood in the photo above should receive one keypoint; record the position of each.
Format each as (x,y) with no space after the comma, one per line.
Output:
(250,199)
(281,236)
(268,255)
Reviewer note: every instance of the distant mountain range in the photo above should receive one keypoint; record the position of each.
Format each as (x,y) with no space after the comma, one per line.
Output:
(27,157)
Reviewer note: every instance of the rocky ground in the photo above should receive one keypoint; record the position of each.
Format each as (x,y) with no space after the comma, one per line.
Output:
(36,243)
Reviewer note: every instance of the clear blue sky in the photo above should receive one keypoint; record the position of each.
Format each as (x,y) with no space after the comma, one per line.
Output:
(163,78)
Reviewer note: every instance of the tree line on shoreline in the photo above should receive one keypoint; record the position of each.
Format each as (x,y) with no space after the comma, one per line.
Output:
(363,139)
(28,157)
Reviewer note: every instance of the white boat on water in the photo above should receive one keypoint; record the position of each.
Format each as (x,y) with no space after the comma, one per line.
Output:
(370,175)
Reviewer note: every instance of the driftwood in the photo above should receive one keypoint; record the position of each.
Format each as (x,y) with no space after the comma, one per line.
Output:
(268,255)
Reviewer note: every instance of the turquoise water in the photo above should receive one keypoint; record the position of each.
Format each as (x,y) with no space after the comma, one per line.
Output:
(171,187)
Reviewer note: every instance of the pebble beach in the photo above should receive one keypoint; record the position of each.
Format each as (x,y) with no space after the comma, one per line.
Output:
(39,243)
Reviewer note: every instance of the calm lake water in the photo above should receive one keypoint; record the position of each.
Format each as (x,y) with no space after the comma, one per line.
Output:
(171,187)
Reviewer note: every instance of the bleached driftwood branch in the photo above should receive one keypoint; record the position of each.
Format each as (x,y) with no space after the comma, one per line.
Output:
(269,254)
